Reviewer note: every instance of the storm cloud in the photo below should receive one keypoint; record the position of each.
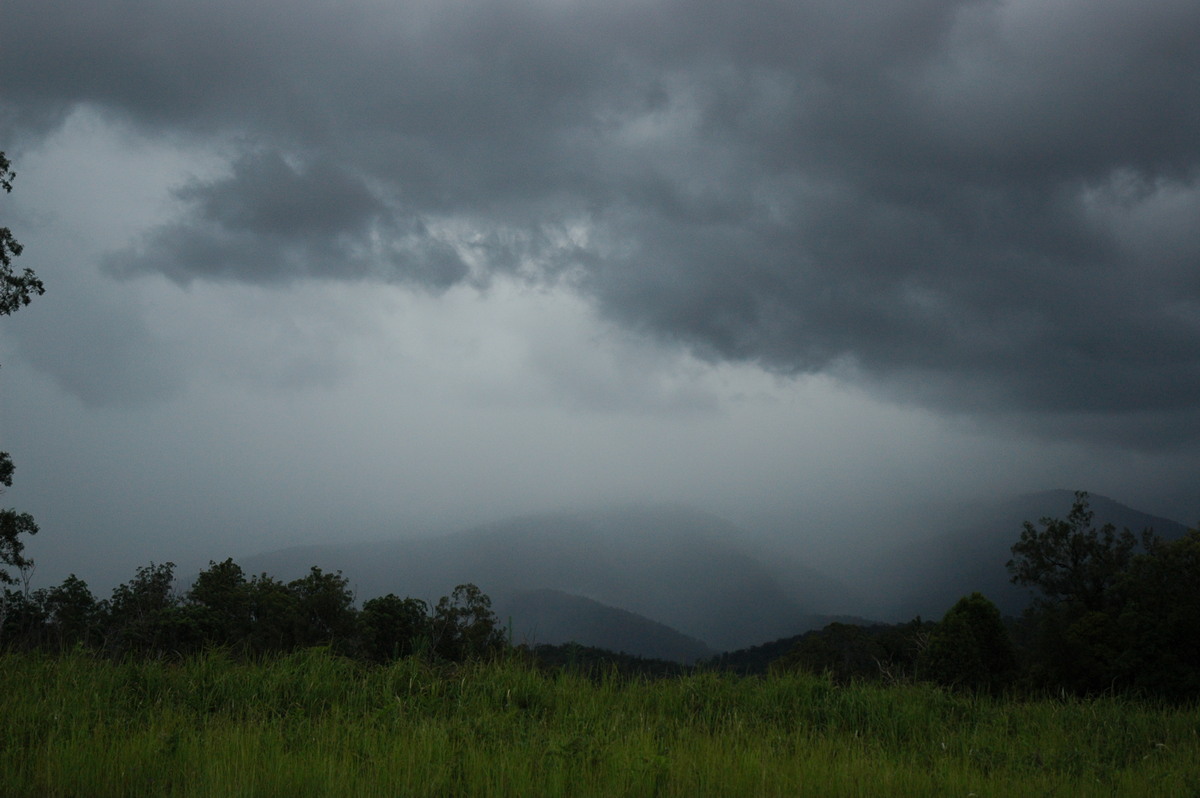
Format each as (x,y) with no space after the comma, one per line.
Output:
(981,207)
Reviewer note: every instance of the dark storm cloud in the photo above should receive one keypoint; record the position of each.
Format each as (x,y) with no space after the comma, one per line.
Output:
(270,221)
(981,206)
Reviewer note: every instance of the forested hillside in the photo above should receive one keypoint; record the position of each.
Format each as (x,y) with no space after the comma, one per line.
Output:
(1112,610)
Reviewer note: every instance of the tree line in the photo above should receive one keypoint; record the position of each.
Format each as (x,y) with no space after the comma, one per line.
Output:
(1113,612)
(253,616)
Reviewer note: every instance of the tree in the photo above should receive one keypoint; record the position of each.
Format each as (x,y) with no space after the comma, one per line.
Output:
(1082,574)
(844,651)
(391,627)
(273,615)
(22,618)
(1072,561)
(464,626)
(1159,622)
(222,601)
(16,291)
(12,526)
(324,609)
(144,614)
(72,614)
(970,648)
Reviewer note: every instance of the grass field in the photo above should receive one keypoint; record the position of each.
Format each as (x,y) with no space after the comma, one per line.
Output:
(312,724)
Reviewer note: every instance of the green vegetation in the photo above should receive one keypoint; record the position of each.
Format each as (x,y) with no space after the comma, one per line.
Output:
(851,653)
(970,648)
(315,723)
(146,617)
(16,291)
(1116,611)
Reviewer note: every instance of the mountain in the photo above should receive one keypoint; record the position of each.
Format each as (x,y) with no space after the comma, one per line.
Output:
(552,617)
(672,583)
(970,549)
(680,568)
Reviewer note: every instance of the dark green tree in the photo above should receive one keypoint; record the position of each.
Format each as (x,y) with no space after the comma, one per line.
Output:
(1071,561)
(273,615)
(1159,621)
(391,627)
(144,615)
(970,648)
(464,626)
(223,604)
(846,652)
(22,618)
(73,614)
(1081,573)
(324,609)
(12,526)
(16,291)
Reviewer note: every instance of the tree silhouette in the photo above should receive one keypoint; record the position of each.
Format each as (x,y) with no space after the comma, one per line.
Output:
(970,648)
(16,291)
(464,626)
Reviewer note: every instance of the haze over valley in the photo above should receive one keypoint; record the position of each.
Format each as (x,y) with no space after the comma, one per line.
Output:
(695,311)
(671,583)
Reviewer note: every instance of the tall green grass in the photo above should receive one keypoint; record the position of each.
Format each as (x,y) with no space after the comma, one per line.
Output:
(315,724)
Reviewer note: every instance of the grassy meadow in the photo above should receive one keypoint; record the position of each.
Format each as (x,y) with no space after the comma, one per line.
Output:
(314,724)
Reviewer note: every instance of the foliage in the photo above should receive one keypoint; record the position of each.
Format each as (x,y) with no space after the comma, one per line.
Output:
(850,652)
(1117,611)
(391,627)
(144,615)
(223,602)
(970,648)
(312,723)
(22,619)
(261,616)
(1159,621)
(16,291)
(755,659)
(72,614)
(1070,561)
(464,626)
(12,526)
(324,609)
(272,609)
(597,663)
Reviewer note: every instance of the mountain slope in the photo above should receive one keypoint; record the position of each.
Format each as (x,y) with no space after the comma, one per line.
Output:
(674,566)
(926,578)
(569,576)
(553,617)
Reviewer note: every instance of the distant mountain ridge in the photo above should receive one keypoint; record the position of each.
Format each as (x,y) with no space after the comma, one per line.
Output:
(552,617)
(672,565)
(675,584)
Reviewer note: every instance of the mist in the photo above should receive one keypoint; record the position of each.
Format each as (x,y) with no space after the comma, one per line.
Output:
(319,277)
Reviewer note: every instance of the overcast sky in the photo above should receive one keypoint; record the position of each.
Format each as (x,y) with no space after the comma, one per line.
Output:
(325,270)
